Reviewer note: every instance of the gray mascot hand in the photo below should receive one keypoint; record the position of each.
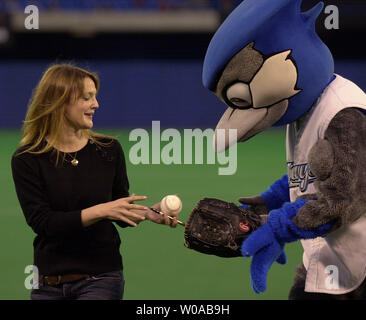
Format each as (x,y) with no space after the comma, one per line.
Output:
(338,163)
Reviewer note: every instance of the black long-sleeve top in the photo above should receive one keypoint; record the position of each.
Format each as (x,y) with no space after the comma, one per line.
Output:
(52,198)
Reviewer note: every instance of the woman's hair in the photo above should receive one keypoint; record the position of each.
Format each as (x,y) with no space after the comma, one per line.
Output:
(60,85)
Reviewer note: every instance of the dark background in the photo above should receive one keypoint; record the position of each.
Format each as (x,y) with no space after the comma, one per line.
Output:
(345,43)
(145,75)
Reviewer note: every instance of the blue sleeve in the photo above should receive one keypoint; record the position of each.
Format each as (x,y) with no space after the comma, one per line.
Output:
(277,194)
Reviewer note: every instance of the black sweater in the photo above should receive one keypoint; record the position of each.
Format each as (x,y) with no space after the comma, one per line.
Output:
(52,198)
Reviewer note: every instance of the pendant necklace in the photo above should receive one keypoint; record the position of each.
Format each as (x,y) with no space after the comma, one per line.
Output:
(74,161)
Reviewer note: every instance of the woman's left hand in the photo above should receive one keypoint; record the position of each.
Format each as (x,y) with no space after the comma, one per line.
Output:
(161,218)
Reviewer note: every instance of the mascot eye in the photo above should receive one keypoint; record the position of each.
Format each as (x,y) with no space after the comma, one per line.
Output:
(239,95)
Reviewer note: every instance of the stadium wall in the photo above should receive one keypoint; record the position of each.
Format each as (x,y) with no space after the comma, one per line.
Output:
(133,93)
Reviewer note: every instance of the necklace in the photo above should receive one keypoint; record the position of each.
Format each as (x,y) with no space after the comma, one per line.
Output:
(74,161)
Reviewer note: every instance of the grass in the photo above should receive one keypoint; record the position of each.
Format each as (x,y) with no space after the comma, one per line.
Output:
(157,266)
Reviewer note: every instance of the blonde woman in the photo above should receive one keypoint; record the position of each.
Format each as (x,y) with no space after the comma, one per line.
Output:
(72,184)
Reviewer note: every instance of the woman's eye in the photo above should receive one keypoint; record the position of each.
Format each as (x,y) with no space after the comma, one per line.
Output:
(86,98)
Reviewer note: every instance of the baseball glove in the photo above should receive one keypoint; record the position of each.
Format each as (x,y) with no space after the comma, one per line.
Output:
(218,227)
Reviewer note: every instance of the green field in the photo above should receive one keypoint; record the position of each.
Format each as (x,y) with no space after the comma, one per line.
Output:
(156,263)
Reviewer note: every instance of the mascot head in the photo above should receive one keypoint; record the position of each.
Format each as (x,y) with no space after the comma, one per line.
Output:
(267,63)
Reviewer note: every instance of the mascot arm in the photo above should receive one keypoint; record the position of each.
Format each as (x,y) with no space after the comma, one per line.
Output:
(338,162)
(273,198)
(277,194)
(266,244)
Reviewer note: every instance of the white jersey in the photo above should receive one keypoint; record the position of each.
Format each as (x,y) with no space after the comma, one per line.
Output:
(335,264)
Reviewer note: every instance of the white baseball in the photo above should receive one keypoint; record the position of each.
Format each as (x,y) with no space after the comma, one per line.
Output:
(171,204)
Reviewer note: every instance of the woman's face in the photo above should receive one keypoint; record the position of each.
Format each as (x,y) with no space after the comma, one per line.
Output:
(80,114)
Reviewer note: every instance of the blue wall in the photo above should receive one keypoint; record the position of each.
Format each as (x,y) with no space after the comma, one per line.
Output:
(133,93)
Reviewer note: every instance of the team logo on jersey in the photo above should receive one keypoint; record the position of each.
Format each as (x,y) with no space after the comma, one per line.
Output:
(300,175)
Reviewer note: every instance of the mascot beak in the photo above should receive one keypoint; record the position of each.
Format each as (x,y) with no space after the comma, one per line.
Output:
(243,121)
(247,123)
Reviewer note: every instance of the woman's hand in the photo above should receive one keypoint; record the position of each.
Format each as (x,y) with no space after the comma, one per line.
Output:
(161,218)
(122,209)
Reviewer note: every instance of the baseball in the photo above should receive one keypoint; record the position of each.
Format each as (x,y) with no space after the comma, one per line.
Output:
(171,204)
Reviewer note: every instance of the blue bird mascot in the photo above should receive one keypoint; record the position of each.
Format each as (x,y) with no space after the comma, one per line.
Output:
(270,68)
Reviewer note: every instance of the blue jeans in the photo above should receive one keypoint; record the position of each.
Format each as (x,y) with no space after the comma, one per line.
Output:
(105,286)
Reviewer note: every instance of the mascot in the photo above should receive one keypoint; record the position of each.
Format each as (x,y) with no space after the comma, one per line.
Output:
(270,68)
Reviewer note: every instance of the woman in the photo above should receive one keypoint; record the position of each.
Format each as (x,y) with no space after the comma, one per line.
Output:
(71,184)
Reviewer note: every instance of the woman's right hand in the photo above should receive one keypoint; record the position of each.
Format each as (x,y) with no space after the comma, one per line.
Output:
(122,209)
